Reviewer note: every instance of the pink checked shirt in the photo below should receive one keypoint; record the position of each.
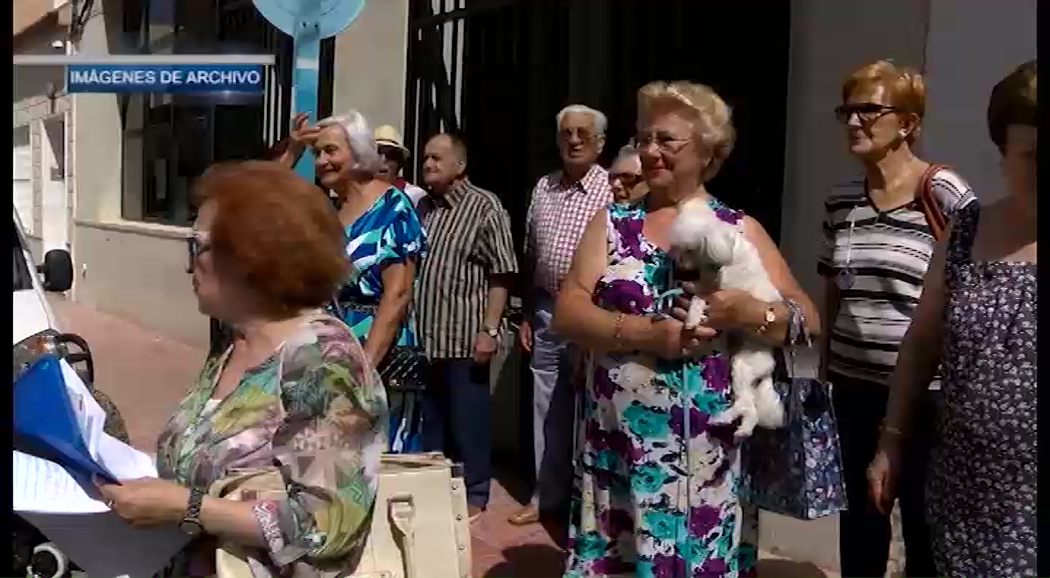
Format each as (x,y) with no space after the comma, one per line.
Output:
(558,214)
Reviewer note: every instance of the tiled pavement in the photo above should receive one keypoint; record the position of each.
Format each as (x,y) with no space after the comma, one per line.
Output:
(147,374)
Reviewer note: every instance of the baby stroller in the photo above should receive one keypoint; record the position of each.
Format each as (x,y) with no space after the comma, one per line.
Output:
(33,554)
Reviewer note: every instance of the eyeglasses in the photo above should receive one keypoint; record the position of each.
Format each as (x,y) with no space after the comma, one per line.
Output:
(667,143)
(628,180)
(584,136)
(392,154)
(197,244)
(865,111)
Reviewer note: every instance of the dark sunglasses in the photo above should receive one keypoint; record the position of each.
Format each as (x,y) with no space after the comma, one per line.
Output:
(393,154)
(195,247)
(865,111)
(628,179)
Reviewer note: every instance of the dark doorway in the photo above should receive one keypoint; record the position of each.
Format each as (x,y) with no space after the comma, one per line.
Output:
(498,71)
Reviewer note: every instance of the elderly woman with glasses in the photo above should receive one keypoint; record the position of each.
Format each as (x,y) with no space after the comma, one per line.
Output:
(384,242)
(879,240)
(625,176)
(650,502)
(294,392)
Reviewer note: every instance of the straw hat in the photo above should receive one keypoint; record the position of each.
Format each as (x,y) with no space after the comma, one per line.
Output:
(387,135)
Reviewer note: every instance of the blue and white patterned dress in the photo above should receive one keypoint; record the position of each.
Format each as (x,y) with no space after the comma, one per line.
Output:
(388,232)
(636,511)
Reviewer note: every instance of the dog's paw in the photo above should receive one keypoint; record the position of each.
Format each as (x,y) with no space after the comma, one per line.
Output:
(697,313)
(743,411)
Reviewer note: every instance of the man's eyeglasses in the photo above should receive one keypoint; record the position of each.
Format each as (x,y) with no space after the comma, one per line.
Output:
(197,244)
(584,136)
(865,111)
(628,180)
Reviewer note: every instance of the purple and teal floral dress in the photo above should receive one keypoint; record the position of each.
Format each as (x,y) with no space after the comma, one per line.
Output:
(645,502)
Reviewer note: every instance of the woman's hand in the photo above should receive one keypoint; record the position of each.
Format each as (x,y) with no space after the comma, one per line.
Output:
(301,133)
(146,502)
(883,474)
(671,340)
(727,308)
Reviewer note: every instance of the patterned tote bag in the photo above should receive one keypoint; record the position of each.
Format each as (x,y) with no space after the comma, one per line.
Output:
(796,470)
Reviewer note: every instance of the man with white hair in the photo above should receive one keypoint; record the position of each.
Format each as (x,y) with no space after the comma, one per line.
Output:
(562,204)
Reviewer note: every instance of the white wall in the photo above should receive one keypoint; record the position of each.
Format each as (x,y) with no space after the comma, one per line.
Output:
(972,45)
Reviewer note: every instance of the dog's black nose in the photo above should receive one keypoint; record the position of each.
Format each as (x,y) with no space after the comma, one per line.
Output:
(683,274)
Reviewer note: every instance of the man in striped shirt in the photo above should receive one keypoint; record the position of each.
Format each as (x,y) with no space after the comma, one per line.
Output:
(562,204)
(460,299)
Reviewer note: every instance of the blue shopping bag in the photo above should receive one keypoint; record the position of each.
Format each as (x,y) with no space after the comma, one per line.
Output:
(796,470)
(45,424)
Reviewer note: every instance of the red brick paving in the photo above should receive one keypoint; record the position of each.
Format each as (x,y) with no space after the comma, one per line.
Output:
(147,374)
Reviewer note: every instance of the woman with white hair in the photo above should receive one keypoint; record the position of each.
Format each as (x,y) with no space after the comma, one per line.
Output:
(659,483)
(625,175)
(384,241)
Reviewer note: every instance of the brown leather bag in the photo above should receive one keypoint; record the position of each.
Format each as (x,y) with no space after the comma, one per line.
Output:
(929,205)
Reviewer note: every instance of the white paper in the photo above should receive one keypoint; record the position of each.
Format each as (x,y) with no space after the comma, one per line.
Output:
(94,538)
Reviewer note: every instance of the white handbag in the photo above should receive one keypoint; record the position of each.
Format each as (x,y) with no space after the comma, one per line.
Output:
(420,525)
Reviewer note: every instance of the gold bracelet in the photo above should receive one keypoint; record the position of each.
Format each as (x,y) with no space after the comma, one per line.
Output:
(618,326)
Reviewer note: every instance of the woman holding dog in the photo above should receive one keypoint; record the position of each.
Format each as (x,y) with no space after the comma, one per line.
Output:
(879,239)
(649,502)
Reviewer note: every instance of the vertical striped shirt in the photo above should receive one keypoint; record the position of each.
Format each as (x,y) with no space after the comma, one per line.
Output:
(468,231)
(887,254)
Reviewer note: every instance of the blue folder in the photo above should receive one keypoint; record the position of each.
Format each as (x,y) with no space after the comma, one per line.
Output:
(46,426)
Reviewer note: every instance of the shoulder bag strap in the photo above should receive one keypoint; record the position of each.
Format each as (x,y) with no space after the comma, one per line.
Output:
(928,203)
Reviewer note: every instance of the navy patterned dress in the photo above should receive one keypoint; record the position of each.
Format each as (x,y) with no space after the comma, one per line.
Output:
(647,501)
(981,489)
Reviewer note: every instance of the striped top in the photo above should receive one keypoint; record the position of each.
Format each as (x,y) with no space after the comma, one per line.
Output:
(468,233)
(887,253)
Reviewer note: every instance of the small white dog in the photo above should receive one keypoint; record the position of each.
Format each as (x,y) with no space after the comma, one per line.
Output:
(703,243)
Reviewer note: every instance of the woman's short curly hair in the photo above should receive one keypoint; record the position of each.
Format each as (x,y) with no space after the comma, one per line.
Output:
(905,89)
(712,118)
(1013,101)
(274,233)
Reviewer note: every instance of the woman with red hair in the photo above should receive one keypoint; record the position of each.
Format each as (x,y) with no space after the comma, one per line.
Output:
(294,393)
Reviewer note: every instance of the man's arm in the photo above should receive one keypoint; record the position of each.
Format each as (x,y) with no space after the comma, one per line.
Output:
(497,248)
(528,266)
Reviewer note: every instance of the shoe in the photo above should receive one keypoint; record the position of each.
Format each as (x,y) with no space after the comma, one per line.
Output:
(530,514)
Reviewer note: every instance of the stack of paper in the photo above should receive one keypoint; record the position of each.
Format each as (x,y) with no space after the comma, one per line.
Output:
(60,426)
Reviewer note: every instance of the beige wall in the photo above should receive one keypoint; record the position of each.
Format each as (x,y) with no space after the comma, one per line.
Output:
(370,64)
(137,271)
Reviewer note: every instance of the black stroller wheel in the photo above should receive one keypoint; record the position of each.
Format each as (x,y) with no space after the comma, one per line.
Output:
(48,562)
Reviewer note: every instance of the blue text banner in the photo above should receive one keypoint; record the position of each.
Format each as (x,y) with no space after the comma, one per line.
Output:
(173,78)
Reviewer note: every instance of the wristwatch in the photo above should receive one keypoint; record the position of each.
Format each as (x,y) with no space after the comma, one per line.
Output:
(492,332)
(770,317)
(191,522)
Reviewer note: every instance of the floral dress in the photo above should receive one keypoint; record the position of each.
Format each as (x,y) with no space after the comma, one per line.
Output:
(388,232)
(981,487)
(646,503)
(316,407)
